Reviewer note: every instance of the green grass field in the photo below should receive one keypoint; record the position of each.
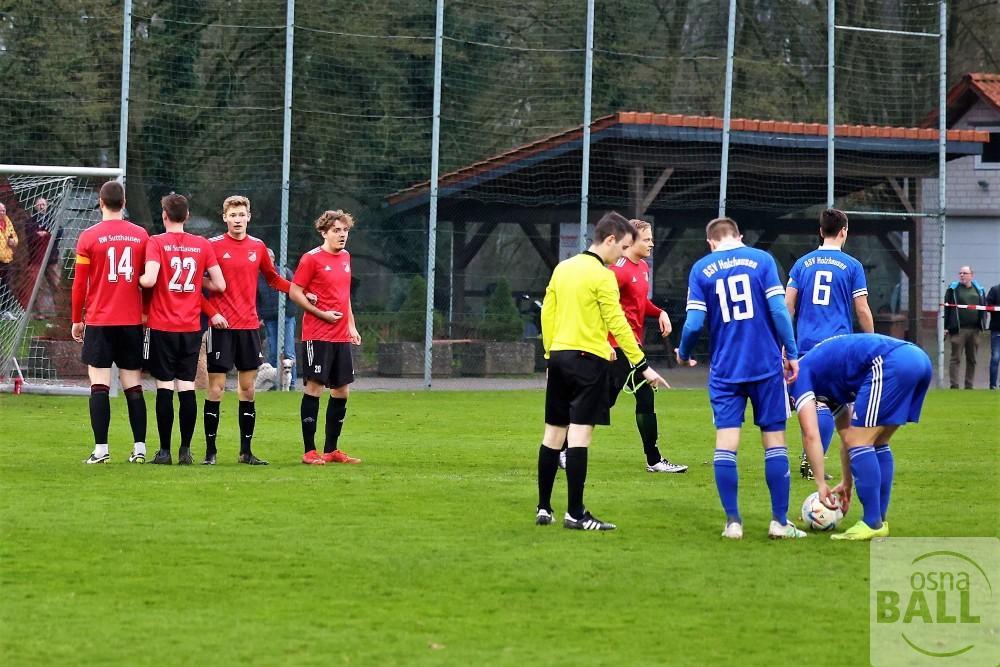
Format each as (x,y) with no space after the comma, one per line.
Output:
(427,553)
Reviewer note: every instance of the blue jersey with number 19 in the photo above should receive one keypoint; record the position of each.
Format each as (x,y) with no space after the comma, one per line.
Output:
(828,281)
(732,286)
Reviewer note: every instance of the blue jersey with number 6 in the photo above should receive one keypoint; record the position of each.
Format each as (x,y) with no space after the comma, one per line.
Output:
(828,281)
(732,286)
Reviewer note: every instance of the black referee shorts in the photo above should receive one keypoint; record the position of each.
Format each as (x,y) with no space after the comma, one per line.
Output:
(576,391)
(119,345)
(328,363)
(233,347)
(172,355)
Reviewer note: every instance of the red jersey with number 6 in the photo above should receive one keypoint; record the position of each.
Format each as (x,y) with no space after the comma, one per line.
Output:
(328,276)
(183,260)
(114,251)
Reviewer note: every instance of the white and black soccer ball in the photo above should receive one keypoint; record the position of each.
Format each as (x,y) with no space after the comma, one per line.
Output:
(818,516)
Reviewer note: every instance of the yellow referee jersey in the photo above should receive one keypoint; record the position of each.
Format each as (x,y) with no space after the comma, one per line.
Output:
(581,305)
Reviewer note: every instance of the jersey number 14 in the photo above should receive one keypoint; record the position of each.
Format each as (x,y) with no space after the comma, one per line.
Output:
(120,267)
(735,291)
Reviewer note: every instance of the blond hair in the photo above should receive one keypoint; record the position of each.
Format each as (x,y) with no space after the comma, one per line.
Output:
(721,227)
(639,226)
(328,218)
(234,201)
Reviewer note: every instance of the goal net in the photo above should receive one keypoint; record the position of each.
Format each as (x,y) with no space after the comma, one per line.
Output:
(45,209)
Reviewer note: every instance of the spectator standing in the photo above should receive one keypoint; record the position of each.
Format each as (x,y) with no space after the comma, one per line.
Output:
(993,299)
(963,325)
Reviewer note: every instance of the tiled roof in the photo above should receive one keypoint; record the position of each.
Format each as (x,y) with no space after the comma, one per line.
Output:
(633,118)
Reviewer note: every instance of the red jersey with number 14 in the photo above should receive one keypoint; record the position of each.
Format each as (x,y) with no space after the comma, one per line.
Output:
(328,276)
(114,251)
(633,287)
(183,260)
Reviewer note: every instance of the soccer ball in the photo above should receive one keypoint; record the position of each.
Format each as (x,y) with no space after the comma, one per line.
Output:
(818,516)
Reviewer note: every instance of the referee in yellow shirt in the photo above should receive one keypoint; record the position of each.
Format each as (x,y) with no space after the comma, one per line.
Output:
(581,305)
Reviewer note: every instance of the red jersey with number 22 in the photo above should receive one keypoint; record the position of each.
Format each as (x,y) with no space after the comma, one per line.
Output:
(328,276)
(183,260)
(114,250)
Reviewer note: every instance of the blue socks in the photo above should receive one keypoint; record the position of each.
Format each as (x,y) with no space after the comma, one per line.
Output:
(867,482)
(826,425)
(778,481)
(887,468)
(727,481)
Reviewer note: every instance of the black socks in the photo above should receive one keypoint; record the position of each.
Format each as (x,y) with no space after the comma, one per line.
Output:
(210,414)
(648,433)
(100,412)
(336,410)
(309,411)
(576,478)
(548,466)
(165,416)
(248,419)
(136,412)
(187,415)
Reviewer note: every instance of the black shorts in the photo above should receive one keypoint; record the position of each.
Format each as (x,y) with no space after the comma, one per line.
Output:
(171,355)
(576,391)
(328,363)
(620,369)
(233,347)
(118,345)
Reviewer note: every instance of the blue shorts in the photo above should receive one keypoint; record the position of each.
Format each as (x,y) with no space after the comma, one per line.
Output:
(769,398)
(894,391)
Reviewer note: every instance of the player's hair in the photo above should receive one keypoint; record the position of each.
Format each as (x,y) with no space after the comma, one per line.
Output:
(612,224)
(234,201)
(113,195)
(175,206)
(639,226)
(328,218)
(831,221)
(720,227)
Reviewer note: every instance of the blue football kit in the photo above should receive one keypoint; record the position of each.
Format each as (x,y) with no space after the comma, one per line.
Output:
(828,281)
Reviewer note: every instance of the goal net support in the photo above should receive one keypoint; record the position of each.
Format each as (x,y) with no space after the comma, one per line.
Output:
(46,209)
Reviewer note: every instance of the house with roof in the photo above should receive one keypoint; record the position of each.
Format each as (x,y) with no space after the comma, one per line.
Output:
(972,191)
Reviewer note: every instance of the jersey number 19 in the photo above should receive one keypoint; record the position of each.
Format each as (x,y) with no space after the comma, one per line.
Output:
(735,290)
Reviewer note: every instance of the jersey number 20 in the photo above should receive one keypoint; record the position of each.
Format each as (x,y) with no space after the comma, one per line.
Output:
(179,266)
(735,290)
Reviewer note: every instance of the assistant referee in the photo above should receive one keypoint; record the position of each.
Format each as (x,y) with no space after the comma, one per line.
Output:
(581,305)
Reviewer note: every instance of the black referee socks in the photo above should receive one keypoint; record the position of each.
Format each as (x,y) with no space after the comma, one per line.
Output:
(576,478)
(548,466)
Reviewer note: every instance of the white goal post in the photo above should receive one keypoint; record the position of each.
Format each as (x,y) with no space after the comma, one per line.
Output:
(47,207)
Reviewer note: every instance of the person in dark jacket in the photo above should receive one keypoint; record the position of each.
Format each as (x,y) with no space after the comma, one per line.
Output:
(993,299)
(267,310)
(963,325)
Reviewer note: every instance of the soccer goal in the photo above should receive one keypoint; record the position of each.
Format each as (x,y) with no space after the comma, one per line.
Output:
(48,208)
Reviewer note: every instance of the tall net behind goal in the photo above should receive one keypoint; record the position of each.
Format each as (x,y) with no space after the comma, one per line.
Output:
(46,208)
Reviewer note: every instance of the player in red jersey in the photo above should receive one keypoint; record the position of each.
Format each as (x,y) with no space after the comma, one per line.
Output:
(106,288)
(328,331)
(174,335)
(632,274)
(242,257)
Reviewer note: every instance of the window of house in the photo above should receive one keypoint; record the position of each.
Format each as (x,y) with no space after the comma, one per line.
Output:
(990,159)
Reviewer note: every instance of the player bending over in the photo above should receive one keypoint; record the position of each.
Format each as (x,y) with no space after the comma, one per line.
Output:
(106,287)
(175,265)
(886,379)
(738,291)
(328,331)
(823,286)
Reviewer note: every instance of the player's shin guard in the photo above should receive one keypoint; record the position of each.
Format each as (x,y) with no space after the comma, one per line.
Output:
(548,466)
(727,481)
(779,482)
(309,412)
(136,412)
(646,422)
(826,425)
(336,411)
(187,415)
(100,412)
(868,483)
(165,416)
(887,468)
(210,415)
(576,479)
(248,420)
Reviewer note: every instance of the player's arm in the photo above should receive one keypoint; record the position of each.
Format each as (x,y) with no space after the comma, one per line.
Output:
(662,319)
(791,299)
(81,277)
(215,275)
(548,317)
(783,326)
(859,292)
(217,319)
(697,310)
(609,304)
(150,274)
(271,275)
(846,485)
(298,295)
(352,327)
(805,408)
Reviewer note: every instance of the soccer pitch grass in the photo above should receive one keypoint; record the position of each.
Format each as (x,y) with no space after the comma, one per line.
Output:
(427,553)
